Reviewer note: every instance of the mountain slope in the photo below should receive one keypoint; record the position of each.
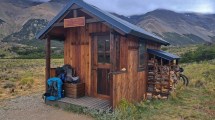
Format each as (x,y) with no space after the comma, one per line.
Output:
(28,32)
(17,13)
(191,28)
(177,28)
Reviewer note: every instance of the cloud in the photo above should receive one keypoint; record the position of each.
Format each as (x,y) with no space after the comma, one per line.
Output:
(132,7)
(40,0)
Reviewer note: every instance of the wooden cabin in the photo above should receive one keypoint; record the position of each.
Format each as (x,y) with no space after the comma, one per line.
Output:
(109,54)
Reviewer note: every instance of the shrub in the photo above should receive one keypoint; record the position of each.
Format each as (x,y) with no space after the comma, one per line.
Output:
(202,53)
(74,108)
(35,53)
(199,84)
(27,81)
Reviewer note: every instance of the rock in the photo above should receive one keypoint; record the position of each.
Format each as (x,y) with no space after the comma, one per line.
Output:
(10,90)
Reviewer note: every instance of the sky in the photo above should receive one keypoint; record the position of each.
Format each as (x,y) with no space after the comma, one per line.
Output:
(135,7)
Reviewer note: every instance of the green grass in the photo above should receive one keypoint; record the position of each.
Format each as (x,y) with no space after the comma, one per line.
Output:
(179,50)
(23,75)
(27,81)
(75,109)
(195,102)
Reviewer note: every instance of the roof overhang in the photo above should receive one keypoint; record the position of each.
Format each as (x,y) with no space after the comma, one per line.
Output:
(163,54)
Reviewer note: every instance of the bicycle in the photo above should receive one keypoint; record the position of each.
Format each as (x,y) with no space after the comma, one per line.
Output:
(181,77)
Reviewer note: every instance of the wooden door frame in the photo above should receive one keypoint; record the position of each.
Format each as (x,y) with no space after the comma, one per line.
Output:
(95,67)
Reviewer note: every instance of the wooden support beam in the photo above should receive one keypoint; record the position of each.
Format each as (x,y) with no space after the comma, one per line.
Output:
(113,64)
(75,7)
(112,51)
(61,24)
(75,14)
(92,20)
(48,61)
(117,42)
(58,38)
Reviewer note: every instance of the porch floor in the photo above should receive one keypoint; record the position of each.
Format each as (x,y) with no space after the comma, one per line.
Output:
(86,102)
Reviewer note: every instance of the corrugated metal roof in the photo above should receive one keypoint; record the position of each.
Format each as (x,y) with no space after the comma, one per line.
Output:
(163,54)
(116,22)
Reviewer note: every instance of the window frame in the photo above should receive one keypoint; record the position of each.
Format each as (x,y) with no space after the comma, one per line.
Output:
(103,52)
(143,66)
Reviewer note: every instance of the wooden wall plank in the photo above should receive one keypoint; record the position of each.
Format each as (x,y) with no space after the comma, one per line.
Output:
(77,51)
(123,52)
(127,86)
(132,84)
(153,45)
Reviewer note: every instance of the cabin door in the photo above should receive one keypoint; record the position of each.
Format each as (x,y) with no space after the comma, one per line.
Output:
(101,66)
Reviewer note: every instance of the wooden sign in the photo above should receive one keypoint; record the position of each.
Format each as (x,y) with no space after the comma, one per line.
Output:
(74,22)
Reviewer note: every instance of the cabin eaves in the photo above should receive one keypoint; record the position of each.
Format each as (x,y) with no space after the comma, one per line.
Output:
(163,54)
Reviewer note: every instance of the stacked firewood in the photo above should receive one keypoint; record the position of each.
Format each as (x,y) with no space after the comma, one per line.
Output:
(158,86)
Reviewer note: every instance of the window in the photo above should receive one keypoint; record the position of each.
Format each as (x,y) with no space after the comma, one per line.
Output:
(142,50)
(103,49)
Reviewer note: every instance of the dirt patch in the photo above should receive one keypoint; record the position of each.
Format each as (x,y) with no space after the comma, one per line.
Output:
(32,107)
(211,109)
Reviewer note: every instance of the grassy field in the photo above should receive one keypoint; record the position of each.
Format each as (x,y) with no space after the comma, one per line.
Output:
(195,102)
(179,50)
(22,76)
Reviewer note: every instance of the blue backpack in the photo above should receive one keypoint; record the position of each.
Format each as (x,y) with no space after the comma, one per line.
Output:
(54,89)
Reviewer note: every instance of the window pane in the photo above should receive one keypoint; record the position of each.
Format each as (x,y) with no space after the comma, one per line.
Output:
(107,43)
(100,45)
(103,85)
(107,58)
(141,54)
(99,81)
(107,51)
(142,59)
(101,58)
(103,49)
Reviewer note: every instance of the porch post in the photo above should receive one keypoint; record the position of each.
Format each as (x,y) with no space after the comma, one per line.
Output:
(113,65)
(48,52)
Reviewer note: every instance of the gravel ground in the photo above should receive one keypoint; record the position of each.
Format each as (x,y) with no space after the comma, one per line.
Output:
(33,108)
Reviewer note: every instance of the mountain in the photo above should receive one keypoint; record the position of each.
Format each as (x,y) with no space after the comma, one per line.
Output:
(27,33)
(15,13)
(21,19)
(178,28)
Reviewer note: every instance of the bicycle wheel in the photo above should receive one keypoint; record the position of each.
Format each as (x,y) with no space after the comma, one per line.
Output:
(185,79)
